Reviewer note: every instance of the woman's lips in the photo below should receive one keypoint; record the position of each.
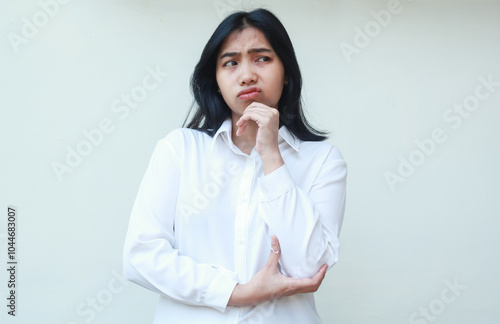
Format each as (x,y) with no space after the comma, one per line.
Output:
(249,93)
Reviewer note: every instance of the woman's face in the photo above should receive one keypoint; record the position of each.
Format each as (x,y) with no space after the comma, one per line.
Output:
(249,70)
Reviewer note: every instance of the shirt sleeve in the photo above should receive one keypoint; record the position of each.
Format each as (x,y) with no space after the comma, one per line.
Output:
(307,224)
(149,257)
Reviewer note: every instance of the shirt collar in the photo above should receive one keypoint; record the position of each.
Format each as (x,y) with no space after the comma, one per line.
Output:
(284,134)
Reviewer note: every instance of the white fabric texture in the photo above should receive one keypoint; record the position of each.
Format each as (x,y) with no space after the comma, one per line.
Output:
(203,219)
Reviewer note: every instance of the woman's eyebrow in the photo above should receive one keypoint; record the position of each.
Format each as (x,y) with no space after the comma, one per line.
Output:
(250,51)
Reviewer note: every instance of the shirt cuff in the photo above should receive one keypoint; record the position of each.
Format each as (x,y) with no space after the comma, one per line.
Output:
(275,184)
(219,291)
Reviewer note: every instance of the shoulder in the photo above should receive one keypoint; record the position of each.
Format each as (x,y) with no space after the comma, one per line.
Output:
(185,136)
(323,149)
(182,142)
(329,159)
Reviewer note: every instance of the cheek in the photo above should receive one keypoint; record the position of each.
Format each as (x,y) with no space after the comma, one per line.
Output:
(278,97)
(226,94)
(279,82)
(223,83)
(219,78)
(227,100)
(278,89)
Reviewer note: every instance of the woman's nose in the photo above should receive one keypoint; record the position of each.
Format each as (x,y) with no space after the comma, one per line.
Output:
(248,75)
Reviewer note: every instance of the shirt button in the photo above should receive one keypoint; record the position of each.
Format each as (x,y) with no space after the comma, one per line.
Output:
(241,241)
(244,198)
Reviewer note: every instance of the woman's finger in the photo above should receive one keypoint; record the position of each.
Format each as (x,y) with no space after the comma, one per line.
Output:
(308,285)
(274,256)
(240,129)
(275,245)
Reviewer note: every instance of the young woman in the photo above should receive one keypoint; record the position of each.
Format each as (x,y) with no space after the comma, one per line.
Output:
(238,215)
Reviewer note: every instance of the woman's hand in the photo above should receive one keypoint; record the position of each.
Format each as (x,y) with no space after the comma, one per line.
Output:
(266,142)
(269,283)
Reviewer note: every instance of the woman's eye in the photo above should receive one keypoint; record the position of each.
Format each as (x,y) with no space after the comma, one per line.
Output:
(264,59)
(230,63)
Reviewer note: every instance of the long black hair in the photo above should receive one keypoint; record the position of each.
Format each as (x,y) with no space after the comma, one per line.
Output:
(212,110)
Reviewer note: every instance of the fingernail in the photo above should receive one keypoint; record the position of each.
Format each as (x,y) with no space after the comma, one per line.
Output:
(273,245)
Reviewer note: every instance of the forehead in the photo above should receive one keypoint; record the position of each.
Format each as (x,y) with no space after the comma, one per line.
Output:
(239,40)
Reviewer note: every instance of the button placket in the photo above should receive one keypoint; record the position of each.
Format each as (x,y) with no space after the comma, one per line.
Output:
(241,221)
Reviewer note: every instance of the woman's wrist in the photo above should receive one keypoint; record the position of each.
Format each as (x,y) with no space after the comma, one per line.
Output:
(271,161)
(240,296)
(245,295)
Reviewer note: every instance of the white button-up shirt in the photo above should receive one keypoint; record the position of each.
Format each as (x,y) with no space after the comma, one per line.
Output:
(205,213)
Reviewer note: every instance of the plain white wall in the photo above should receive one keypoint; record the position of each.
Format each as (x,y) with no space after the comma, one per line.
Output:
(419,248)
